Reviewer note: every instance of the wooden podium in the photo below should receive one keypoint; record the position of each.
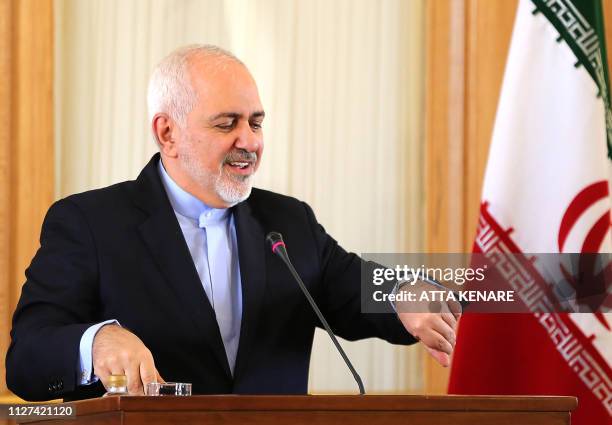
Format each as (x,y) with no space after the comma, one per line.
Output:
(323,410)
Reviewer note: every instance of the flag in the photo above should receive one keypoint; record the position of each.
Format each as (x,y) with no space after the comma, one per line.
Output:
(546,190)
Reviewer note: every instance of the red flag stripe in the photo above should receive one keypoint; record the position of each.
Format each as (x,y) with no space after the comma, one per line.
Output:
(587,197)
(597,234)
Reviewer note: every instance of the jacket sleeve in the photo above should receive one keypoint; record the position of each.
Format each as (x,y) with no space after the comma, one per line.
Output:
(58,302)
(340,294)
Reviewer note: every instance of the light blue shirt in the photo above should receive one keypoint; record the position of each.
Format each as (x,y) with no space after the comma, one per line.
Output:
(211,237)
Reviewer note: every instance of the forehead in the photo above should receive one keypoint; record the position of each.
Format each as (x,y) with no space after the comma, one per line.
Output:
(223,85)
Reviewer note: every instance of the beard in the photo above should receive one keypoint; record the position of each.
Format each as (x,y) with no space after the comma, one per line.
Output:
(231,188)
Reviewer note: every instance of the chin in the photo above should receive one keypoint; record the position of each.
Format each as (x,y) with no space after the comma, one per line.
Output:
(232,195)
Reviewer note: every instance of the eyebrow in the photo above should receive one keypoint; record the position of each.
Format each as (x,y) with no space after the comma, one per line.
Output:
(257,114)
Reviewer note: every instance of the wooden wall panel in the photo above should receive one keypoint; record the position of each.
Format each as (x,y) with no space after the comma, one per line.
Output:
(26,148)
(607,12)
(489,27)
(445,137)
(5,185)
(468,43)
(33,173)
(444,124)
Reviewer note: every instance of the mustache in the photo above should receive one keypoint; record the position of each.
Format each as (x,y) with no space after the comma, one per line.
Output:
(240,156)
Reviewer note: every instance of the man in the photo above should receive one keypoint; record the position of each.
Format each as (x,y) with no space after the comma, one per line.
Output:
(169,276)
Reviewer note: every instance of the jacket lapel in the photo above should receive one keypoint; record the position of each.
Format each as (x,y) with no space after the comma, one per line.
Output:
(251,254)
(164,239)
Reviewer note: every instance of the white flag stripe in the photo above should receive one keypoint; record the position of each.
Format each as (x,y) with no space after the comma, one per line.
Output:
(549,138)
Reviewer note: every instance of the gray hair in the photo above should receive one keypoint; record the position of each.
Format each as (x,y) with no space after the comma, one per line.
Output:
(170,89)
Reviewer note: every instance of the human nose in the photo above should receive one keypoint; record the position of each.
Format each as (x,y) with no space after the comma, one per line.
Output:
(248,139)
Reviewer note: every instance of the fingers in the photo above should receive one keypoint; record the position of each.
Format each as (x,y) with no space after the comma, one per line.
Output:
(119,352)
(106,370)
(449,319)
(442,358)
(455,308)
(133,378)
(439,336)
(147,380)
(159,377)
(430,329)
(148,373)
(434,325)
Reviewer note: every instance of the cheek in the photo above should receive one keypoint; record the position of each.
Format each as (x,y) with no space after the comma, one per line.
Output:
(210,153)
(261,149)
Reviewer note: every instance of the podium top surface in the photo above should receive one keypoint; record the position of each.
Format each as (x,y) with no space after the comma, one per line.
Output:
(328,402)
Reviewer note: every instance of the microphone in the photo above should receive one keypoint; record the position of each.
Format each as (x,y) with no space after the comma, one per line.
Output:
(277,244)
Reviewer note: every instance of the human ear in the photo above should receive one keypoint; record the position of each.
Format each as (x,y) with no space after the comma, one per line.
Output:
(164,131)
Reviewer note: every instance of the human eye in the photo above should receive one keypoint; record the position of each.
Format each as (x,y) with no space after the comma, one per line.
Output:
(256,125)
(226,125)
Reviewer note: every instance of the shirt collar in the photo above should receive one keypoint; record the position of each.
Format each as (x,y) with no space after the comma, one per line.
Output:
(185,204)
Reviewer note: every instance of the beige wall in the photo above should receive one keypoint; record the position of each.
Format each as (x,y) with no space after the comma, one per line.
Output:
(342,85)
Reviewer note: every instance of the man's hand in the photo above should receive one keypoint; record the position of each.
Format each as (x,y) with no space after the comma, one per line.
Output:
(436,330)
(117,351)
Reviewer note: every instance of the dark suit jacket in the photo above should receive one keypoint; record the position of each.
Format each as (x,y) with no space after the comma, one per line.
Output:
(119,253)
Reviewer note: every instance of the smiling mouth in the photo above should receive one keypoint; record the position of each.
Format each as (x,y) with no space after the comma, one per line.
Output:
(239,164)
(242,168)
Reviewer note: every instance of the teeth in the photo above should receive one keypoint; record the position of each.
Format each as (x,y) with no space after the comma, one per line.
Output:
(239,164)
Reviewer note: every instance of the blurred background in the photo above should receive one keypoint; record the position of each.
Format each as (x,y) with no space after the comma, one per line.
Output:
(378,114)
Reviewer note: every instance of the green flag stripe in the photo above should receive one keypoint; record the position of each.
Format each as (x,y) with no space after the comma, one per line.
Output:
(580,25)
